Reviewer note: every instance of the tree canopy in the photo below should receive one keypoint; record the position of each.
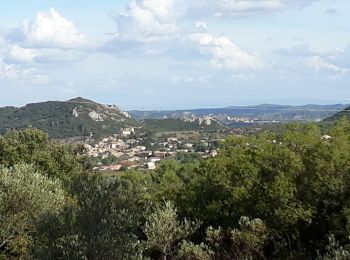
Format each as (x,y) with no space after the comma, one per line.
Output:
(273,195)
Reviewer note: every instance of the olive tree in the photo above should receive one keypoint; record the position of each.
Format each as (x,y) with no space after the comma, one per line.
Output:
(25,196)
(164,230)
(102,223)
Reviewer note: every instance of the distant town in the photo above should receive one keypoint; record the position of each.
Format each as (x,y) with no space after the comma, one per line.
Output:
(131,149)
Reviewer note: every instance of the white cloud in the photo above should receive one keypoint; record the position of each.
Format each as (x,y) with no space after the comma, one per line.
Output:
(19,54)
(221,8)
(52,30)
(310,50)
(148,20)
(14,65)
(319,64)
(49,37)
(151,20)
(329,61)
(15,54)
(59,55)
(2,41)
(224,54)
(21,74)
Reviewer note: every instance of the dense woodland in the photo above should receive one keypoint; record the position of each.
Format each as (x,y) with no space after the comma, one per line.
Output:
(282,195)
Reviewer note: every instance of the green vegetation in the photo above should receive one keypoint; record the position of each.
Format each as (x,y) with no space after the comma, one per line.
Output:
(101,223)
(58,120)
(265,196)
(25,196)
(188,157)
(166,125)
(337,116)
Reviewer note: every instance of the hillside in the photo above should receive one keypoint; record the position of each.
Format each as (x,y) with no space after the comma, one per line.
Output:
(260,112)
(73,118)
(177,124)
(5,111)
(337,116)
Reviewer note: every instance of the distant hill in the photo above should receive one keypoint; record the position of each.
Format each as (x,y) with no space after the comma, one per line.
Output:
(80,117)
(81,100)
(173,124)
(337,116)
(73,118)
(261,112)
(5,111)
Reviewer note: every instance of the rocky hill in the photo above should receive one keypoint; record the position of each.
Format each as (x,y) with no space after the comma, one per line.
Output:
(339,115)
(206,123)
(73,118)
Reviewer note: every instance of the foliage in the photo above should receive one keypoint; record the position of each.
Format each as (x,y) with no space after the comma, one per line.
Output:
(245,242)
(265,196)
(32,146)
(169,178)
(297,183)
(163,230)
(57,119)
(102,224)
(334,251)
(188,157)
(25,196)
(190,251)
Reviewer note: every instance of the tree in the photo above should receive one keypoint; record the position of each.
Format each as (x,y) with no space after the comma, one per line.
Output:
(296,182)
(21,146)
(163,230)
(103,223)
(190,251)
(25,196)
(32,146)
(245,242)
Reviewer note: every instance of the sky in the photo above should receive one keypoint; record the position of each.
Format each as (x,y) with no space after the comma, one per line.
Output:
(175,54)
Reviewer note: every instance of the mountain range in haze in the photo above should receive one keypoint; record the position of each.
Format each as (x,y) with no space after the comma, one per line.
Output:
(263,112)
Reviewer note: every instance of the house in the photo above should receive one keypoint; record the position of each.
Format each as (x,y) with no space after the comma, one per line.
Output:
(155,159)
(160,154)
(127,131)
(326,137)
(213,153)
(150,165)
(146,154)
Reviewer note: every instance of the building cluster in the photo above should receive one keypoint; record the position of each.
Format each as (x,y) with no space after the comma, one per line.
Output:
(126,151)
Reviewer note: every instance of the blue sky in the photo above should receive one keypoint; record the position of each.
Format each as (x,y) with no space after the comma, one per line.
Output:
(166,54)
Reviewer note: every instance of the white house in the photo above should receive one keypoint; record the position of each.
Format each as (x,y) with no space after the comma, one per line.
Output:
(150,165)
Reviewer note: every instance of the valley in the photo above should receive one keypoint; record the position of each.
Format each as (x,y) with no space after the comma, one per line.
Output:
(117,140)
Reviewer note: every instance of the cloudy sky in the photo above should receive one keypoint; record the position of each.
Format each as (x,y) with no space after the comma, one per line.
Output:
(165,54)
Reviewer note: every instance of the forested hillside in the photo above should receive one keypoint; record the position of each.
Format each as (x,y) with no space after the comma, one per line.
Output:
(74,118)
(269,196)
(339,115)
(80,117)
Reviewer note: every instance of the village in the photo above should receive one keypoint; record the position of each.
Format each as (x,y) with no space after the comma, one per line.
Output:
(129,150)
